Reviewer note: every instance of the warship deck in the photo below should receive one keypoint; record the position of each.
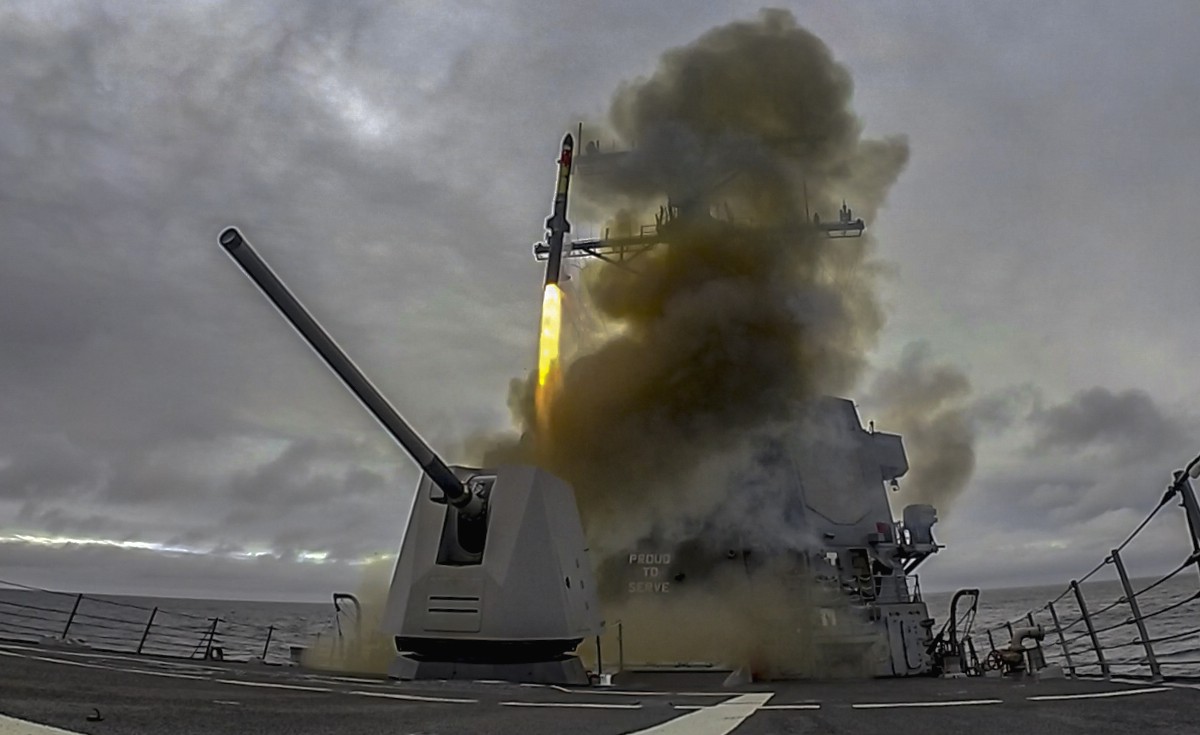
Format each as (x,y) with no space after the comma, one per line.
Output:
(48,690)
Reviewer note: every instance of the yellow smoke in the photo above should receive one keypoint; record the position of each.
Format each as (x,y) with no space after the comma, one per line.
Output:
(548,350)
(362,646)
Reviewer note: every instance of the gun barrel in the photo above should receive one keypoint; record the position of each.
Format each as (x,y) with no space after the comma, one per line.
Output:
(257,269)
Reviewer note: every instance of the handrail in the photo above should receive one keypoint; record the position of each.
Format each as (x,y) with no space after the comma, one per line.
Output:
(94,621)
(1181,488)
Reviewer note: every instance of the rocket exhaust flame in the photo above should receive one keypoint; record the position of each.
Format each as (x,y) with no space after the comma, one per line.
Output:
(548,350)
(551,330)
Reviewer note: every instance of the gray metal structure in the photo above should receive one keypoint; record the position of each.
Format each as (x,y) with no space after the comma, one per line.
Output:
(823,478)
(507,607)
(671,217)
(493,578)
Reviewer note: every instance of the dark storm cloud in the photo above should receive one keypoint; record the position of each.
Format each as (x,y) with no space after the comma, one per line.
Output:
(1098,451)
(1127,423)
(1099,463)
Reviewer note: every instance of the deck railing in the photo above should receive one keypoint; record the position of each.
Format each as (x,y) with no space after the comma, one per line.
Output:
(1128,635)
(36,615)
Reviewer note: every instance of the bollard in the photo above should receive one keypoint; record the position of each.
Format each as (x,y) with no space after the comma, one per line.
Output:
(1037,643)
(1062,639)
(267,645)
(1091,629)
(146,632)
(1155,672)
(71,617)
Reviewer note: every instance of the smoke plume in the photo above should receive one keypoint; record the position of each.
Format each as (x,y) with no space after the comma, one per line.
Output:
(733,146)
(929,405)
(358,642)
(745,132)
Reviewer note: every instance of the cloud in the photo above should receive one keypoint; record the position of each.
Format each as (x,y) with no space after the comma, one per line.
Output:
(1128,424)
(230,572)
(395,179)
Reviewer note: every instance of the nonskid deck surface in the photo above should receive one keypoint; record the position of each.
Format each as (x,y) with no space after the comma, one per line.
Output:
(143,695)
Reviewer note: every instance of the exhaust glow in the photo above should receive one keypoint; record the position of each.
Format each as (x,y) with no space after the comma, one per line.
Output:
(551,329)
(548,346)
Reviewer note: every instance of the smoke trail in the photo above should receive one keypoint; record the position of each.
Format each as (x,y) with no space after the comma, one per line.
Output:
(929,405)
(742,316)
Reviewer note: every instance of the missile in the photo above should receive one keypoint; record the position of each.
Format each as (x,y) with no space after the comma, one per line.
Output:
(558,226)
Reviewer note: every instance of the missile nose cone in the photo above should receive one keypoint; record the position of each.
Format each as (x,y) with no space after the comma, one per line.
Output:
(231,238)
(568,142)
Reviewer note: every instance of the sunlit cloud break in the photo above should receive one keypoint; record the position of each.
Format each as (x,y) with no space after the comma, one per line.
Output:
(310,557)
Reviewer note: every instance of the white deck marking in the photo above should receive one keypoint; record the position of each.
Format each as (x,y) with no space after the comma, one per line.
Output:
(791,706)
(1097,695)
(13,726)
(764,707)
(414,697)
(69,663)
(718,719)
(350,680)
(272,685)
(947,703)
(578,705)
(90,654)
(165,674)
(638,693)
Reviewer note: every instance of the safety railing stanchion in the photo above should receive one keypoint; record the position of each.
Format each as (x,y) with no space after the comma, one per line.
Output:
(212,634)
(1183,484)
(1091,629)
(599,659)
(1137,615)
(146,632)
(71,617)
(267,645)
(1062,640)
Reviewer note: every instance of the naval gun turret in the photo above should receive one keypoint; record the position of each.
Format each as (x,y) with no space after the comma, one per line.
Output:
(493,579)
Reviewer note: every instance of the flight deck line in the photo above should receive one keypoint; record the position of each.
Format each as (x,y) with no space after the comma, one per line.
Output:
(15,726)
(719,719)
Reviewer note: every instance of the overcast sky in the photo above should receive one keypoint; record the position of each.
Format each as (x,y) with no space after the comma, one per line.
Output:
(394,162)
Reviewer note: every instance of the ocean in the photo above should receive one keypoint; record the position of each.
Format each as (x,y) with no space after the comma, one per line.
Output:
(241,630)
(1171,612)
